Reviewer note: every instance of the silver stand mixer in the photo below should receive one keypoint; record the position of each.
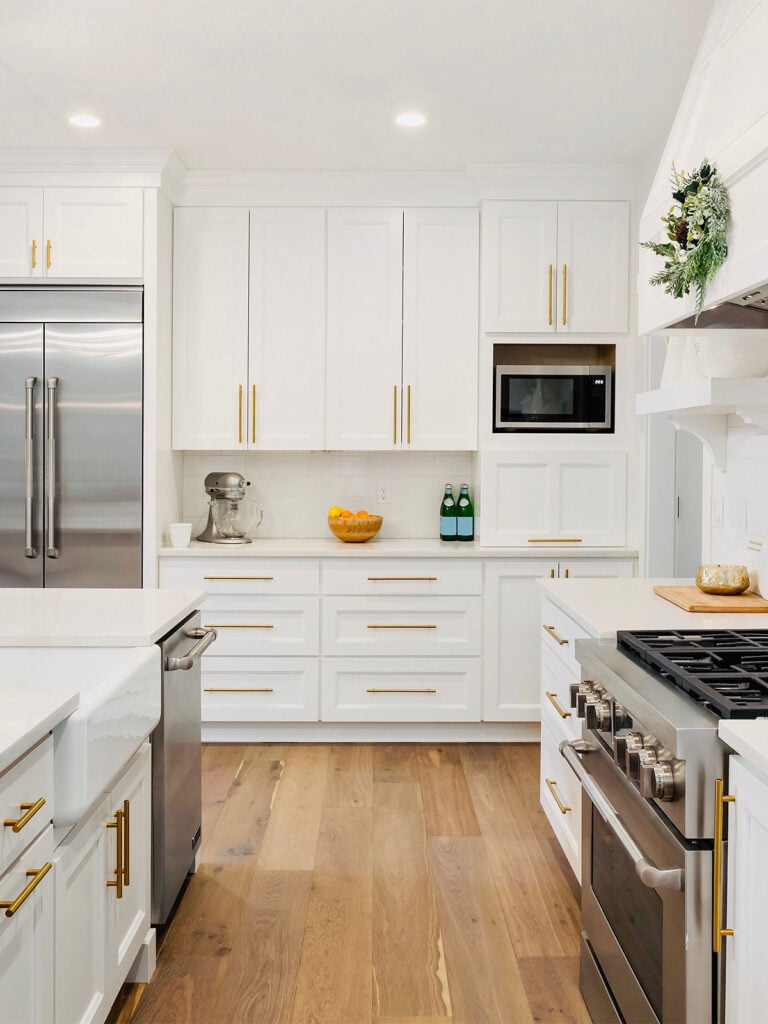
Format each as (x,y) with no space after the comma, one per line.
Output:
(228,519)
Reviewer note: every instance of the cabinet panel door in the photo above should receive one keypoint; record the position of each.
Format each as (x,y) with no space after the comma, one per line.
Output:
(591,497)
(94,232)
(210,328)
(517,497)
(519,266)
(593,250)
(440,268)
(511,640)
(364,366)
(21,225)
(286,392)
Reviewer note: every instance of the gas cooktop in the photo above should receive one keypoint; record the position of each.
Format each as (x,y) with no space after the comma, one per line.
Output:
(725,669)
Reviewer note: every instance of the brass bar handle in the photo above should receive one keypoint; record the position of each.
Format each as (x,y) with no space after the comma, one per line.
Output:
(127,842)
(402,579)
(239,413)
(718,931)
(567,573)
(565,294)
(239,689)
(551,574)
(37,875)
(394,415)
(555,540)
(238,577)
(553,634)
(409,414)
(30,551)
(253,414)
(374,689)
(48,260)
(17,824)
(549,313)
(237,625)
(117,882)
(552,697)
(392,625)
(551,783)
(34,254)
(51,550)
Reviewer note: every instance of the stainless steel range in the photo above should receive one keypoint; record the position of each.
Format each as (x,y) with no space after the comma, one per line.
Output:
(650,766)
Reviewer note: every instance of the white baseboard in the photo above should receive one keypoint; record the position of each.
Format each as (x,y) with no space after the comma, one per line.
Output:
(372,732)
(144,965)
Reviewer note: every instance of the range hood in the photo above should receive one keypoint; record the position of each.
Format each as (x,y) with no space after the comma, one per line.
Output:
(746,312)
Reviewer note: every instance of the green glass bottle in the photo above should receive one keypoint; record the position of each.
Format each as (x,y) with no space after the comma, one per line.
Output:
(465,516)
(448,515)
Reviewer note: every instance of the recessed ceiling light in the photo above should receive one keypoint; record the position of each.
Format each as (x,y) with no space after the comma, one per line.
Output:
(410,119)
(85,120)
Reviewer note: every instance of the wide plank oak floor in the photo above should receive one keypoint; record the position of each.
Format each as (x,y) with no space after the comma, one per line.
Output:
(369,884)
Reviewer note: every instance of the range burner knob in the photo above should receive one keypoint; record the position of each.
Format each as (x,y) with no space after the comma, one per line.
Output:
(576,688)
(621,744)
(621,720)
(598,715)
(634,746)
(663,782)
(647,759)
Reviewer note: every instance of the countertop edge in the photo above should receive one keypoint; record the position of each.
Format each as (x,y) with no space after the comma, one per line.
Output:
(329,548)
(35,731)
(749,739)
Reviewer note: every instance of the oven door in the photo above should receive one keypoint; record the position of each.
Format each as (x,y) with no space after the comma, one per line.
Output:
(645,901)
(564,398)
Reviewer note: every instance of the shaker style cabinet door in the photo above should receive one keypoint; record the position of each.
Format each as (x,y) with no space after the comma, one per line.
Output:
(440,311)
(210,328)
(93,232)
(22,248)
(364,329)
(286,383)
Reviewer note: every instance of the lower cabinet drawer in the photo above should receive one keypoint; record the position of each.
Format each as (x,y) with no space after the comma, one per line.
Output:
(560,795)
(556,711)
(401,690)
(262,625)
(260,690)
(402,626)
(26,797)
(559,633)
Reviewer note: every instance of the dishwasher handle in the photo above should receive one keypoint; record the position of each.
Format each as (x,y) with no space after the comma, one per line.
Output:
(204,637)
(648,873)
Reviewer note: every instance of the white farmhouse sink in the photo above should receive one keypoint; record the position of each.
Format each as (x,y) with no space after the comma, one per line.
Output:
(119,706)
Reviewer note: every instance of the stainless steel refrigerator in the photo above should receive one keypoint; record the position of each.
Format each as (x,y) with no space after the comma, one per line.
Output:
(70,436)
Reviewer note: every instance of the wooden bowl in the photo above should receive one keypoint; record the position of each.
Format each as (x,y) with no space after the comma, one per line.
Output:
(352,530)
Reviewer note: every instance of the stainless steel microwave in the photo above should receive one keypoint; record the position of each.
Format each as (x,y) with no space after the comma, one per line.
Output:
(559,398)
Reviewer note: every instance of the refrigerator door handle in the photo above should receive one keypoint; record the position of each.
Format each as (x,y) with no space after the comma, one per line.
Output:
(30,551)
(51,550)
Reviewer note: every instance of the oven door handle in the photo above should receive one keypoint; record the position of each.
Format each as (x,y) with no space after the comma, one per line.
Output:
(648,873)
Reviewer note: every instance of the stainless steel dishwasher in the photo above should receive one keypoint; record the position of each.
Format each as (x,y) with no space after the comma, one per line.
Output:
(176,796)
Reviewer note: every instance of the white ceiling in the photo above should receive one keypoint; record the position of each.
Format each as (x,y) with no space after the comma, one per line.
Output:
(315,84)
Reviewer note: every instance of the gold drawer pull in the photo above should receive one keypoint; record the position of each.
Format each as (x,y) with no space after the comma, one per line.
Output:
(554,702)
(555,540)
(404,690)
(393,625)
(17,824)
(717,870)
(48,260)
(238,577)
(551,787)
(553,634)
(238,689)
(117,882)
(239,625)
(127,842)
(34,254)
(37,875)
(402,579)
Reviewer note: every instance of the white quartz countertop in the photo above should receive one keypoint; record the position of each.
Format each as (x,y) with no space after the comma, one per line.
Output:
(748,738)
(26,717)
(91,618)
(330,547)
(603,606)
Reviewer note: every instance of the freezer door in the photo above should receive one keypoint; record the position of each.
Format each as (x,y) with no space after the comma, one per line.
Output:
(93,427)
(21,455)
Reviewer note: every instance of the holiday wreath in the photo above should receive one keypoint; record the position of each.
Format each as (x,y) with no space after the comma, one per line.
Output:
(697,226)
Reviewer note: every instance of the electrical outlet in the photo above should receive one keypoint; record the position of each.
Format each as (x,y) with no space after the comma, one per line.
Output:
(382,494)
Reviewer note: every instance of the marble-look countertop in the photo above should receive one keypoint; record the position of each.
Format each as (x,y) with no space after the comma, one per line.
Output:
(748,737)
(91,618)
(25,718)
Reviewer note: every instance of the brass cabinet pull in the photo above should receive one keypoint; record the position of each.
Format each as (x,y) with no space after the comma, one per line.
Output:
(717,902)
(567,573)
(238,689)
(17,824)
(238,625)
(127,842)
(374,689)
(34,254)
(48,260)
(552,696)
(394,415)
(392,625)
(549,314)
(409,414)
(555,540)
(117,882)
(239,413)
(253,414)
(238,577)
(553,634)
(565,294)
(37,875)
(551,574)
(402,579)
(551,783)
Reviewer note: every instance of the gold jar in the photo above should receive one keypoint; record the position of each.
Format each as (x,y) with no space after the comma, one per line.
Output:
(722,579)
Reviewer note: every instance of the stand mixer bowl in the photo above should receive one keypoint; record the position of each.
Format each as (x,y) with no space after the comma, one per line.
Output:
(230,516)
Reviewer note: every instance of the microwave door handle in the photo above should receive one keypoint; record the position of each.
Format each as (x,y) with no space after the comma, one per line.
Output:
(648,873)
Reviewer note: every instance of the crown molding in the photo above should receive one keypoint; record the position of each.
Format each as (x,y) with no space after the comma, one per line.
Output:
(533,181)
(53,166)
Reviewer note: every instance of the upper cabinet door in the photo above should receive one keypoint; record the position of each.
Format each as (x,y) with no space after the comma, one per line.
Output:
(440,309)
(593,267)
(519,256)
(210,328)
(21,232)
(286,386)
(365,251)
(93,232)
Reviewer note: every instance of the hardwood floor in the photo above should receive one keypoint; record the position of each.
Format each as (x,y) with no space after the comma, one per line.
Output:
(369,884)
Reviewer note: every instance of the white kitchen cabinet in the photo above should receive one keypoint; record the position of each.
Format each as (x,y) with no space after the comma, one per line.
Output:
(555,267)
(71,232)
(554,497)
(260,689)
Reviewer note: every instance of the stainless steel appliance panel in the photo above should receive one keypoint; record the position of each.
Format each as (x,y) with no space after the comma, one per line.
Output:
(33,304)
(21,455)
(93,426)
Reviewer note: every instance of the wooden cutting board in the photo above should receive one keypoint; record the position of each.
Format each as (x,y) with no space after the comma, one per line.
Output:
(694,600)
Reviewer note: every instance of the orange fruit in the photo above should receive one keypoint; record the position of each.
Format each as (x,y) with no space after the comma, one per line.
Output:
(345,513)
(362,514)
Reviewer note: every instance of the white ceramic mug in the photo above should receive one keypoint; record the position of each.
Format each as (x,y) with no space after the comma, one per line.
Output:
(180,533)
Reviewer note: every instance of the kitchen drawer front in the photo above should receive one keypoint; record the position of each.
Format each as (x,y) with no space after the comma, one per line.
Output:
(559,633)
(262,625)
(557,779)
(401,690)
(556,711)
(260,690)
(242,575)
(401,576)
(22,787)
(402,626)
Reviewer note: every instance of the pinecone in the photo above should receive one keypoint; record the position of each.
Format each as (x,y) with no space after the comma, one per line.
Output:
(681,233)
